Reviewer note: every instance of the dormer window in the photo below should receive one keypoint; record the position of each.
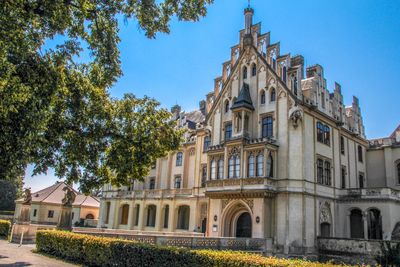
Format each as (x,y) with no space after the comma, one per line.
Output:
(262,97)
(254,70)
(244,72)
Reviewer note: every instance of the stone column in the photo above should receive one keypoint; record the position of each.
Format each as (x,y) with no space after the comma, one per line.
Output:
(142,216)
(365,220)
(131,215)
(348,225)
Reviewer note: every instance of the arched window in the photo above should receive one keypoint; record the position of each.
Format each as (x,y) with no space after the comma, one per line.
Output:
(267,127)
(213,172)
(244,72)
(250,166)
(270,165)
(262,97)
(398,172)
(283,74)
(356,224)
(295,86)
(151,216)
(360,153)
(237,167)
(220,174)
(374,224)
(89,216)
(253,70)
(273,95)
(260,165)
(166,216)
(183,217)
(226,106)
(124,214)
(179,157)
(273,59)
(234,166)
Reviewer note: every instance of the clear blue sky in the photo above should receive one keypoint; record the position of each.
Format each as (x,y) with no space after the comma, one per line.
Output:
(357,42)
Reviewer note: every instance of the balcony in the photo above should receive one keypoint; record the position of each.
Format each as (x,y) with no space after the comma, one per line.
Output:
(147,194)
(238,187)
(383,193)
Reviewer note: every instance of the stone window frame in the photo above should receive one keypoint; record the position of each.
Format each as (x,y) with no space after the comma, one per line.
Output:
(264,116)
(321,171)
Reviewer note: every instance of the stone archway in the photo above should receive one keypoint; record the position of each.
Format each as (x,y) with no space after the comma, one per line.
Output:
(237,220)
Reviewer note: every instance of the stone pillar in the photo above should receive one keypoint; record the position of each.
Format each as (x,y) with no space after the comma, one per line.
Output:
(115,219)
(159,217)
(348,225)
(25,214)
(365,220)
(131,215)
(65,221)
(172,218)
(142,216)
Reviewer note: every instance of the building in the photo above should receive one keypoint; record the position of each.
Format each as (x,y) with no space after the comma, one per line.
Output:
(46,205)
(277,156)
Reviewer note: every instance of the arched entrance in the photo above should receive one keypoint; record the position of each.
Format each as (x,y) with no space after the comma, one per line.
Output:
(244,225)
(237,219)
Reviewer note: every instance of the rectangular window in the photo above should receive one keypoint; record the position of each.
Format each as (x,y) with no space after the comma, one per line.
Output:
(267,127)
(324,172)
(207,143)
(323,133)
(34,212)
(360,153)
(178,182)
(220,169)
(328,176)
(203,176)
(343,177)
(320,171)
(152,183)
(228,131)
(361,179)
(342,145)
(179,157)
(50,214)
(320,132)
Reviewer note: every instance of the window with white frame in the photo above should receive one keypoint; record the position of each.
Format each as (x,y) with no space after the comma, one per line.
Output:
(260,165)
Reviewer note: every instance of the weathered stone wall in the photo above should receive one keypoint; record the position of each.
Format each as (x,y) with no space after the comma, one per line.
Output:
(351,251)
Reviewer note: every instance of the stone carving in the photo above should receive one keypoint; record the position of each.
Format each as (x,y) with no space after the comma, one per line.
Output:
(234,151)
(69,196)
(249,203)
(396,232)
(225,203)
(27,196)
(295,115)
(325,213)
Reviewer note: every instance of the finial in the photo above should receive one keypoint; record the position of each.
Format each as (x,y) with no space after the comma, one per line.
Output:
(248,3)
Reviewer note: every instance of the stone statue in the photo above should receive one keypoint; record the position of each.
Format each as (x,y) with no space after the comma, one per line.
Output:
(27,196)
(295,115)
(69,197)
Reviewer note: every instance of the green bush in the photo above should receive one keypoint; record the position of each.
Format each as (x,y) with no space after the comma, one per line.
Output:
(5,227)
(102,251)
(390,254)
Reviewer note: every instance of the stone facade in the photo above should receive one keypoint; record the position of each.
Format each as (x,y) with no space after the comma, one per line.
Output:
(271,154)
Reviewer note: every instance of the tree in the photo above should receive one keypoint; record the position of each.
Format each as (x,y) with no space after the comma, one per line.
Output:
(9,192)
(56,112)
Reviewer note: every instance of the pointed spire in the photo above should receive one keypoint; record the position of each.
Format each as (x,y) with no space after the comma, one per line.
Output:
(244,99)
(248,22)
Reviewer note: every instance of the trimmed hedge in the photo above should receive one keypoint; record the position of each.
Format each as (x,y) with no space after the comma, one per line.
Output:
(101,251)
(5,227)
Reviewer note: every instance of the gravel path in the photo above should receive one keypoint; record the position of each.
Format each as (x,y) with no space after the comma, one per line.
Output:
(14,255)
